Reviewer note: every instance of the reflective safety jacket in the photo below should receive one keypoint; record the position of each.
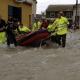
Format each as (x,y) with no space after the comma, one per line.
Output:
(24,29)
(51,28)
(36,26)
(2,37)
(61,25)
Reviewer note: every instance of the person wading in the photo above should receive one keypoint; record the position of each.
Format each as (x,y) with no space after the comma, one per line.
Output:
(10,32)
(2,30)
(61,29)
(36,26)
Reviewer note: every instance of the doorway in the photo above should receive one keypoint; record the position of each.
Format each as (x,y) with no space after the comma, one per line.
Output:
(15,12)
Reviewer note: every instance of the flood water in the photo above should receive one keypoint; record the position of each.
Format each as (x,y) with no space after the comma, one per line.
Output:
(42,63)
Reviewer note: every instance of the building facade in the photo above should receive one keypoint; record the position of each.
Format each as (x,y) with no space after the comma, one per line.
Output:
(34,5)
(19,9)
(78,14)
(34,2)
(69,12)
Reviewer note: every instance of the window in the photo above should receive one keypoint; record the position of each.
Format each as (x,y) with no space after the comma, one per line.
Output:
(69,14)
(52,15)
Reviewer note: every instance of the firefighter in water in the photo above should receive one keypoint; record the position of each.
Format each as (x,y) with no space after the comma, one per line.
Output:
(36,26)
(2,31)
(11,27)
(61,29)
(23,29)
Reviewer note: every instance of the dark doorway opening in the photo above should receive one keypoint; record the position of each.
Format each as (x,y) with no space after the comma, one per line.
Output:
(15,12)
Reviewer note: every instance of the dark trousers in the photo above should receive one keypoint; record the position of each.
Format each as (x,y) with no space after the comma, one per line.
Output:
(11,39)
(54,39)
(61,40)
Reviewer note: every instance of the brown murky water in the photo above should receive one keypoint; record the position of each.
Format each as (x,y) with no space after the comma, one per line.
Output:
(42,64)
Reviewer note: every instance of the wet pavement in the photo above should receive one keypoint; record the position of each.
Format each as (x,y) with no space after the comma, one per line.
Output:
(42,63)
